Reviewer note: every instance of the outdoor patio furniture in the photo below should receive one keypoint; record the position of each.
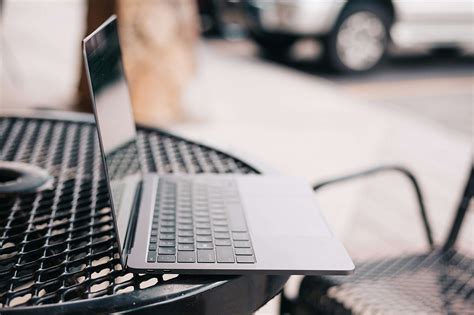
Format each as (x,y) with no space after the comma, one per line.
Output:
(58,250)
(439,281)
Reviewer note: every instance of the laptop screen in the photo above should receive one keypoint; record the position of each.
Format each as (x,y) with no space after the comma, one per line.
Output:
(113,109)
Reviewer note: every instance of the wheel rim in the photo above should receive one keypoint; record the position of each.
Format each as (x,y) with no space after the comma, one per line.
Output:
(360,42)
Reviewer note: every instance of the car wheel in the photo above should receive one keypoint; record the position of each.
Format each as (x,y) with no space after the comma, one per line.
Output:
(359,39)
(273,44)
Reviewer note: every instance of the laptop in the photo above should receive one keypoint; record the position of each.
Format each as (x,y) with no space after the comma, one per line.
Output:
(199,223)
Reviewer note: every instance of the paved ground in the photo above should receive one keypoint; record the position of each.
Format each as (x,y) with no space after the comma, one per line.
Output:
(435,87)
(439,88)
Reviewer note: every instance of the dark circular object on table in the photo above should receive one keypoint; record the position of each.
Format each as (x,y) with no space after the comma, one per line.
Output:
(58,250)
(18,177)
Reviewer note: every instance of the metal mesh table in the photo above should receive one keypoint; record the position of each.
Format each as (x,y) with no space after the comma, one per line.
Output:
(58,248)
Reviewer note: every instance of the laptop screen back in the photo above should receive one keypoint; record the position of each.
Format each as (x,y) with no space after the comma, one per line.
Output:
(113,108)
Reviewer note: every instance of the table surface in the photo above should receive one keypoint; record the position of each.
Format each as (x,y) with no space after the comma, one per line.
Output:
(58,249)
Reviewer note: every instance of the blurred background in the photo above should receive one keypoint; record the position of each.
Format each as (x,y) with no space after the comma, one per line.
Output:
(311,88)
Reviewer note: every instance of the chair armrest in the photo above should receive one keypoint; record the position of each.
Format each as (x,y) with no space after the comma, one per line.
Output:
(385,168)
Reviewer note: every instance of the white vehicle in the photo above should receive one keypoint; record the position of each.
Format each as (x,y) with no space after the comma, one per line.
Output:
(357,33)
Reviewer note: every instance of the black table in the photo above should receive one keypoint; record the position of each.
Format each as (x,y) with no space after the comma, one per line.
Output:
(58,250)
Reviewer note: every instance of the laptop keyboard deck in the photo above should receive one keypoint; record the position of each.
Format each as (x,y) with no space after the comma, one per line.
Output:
(199,221)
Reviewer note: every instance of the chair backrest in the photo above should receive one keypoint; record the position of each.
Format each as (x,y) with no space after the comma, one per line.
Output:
(461,212)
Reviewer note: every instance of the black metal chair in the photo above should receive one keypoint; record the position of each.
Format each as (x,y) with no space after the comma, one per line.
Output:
(439,281)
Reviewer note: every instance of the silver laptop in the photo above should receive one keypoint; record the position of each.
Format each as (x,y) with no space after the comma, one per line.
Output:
(206,223)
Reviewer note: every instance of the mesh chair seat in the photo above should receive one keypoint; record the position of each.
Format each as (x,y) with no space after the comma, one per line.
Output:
(440,282)
(437,282)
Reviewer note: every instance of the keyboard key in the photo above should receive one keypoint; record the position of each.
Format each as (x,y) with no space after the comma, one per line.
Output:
(203,231)
(185,233)
(201,245)
(245,259)
(186,257)
(202,213)
(151,256)
(239,236)
(225,254)
(221,235)
(206,256)
(216,209)
(167,223)
(223,242)
(218,216)
(167,243)
(242,244)
(203,225)
(203,220)
(185,198)
(221,229)
(154,232)
(166,258)
(185,246)
(152,247)
(203,238)
(219,222)
(236,217)
(166,250)
(153,239)
(243,251)
(185,220)
(185,226)
(186,240)
(166,236)
(167,230)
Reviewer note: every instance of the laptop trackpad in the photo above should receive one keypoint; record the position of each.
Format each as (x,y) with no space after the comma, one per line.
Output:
(280,206)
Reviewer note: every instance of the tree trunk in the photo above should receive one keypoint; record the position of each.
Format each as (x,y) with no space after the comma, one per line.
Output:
(97,12)
(157,38)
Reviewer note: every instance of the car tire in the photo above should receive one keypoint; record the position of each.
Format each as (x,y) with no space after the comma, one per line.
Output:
(273,44)
(359,39)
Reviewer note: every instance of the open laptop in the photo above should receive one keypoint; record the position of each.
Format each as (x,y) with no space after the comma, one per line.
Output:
(196,224)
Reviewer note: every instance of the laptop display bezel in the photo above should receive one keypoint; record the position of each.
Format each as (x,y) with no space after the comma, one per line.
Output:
(88,44)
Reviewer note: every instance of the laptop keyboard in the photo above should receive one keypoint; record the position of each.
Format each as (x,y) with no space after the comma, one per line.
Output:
(199,221)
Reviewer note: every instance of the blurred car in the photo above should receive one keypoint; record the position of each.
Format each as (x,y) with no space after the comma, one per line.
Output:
(210,22)
(221,18)
(357,33)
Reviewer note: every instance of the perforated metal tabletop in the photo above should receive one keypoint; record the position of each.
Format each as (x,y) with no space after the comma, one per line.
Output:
(58,248)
